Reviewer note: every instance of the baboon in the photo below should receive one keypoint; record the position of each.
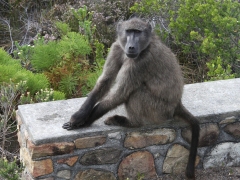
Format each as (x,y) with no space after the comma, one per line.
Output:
(144,75)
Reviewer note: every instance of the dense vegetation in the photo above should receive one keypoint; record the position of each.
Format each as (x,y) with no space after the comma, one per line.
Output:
(53,50)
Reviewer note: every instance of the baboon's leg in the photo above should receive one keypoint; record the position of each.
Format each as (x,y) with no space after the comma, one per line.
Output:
(118,121)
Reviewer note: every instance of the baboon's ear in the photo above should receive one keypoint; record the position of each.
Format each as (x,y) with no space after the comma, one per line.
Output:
(149,26)
(119,25)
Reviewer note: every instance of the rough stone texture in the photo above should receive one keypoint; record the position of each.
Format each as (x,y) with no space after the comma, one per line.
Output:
(155,137)
(36,168)
(101,156)
(140,162)
(92,174)
(224,154)
(176,160)
(49,149)
(208,134)
(22,137)
(19,121)
(115,135)
(88,142)
(228,120)
(233,129)
(66,174)
(27,176)
(69,161)
(44,120)
(25,157)
(212,98)
(40,168)
(213,103)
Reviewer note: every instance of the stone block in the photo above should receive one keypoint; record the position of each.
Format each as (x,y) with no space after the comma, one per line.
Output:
(224,154)
(42,167)
(88,152)
(208,134)
(50,149)
(139,163)
(228,120)
(101,156)
(88,142)
(176,159)
(92,174)
(69,161)
(233,129)
(35,168)
(144,139)
(65,174)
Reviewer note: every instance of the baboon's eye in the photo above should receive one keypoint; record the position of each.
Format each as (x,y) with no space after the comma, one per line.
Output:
(137,31)
(133,31)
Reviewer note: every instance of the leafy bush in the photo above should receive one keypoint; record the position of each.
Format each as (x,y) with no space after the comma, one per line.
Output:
(64,28)
(36,82)
(45,56)
(65,71)
(204,34)
(23,53)
(208,31)
(71,63)
(11,70)
(6,59)
(68,84)
(73,45)
(57,95)
(10,170)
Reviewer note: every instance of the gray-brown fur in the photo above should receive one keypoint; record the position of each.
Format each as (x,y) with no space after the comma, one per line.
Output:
(144,75)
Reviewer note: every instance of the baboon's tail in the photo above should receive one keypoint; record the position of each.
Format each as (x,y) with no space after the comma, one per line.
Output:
(182,113)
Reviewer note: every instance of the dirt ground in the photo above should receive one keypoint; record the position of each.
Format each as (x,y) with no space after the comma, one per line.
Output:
(220,173)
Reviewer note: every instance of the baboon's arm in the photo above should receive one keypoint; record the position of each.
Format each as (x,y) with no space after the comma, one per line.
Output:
(118,94)
(105,81)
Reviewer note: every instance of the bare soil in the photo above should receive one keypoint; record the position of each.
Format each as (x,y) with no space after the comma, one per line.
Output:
(219,173)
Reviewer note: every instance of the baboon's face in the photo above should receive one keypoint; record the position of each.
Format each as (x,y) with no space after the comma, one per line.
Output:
(134,36)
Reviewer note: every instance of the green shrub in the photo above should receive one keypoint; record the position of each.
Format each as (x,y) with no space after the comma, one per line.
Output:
(84,18)
(62,61)
(36,82)
(11,70)
(72,63)
(45,56)
(64,28)
(91,77)
(57,95)
(208,30)
(73,45)
(6,59)
(10,170)
(68,84)
(23,53)
(217,72)
(200,32)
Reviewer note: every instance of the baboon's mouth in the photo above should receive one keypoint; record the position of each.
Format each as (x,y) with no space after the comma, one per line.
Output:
(132,55)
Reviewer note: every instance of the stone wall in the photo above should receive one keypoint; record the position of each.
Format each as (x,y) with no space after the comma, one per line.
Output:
(110,153)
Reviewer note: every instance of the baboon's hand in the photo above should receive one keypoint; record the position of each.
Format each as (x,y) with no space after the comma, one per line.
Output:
(77,120)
